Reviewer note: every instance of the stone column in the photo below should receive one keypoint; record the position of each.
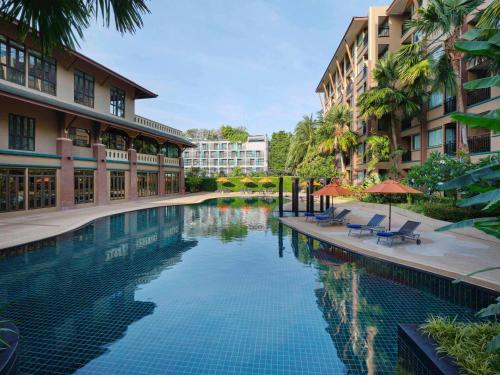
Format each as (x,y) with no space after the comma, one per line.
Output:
(101,175)
(182,185)
(66,173)
(132,184)
(161,175)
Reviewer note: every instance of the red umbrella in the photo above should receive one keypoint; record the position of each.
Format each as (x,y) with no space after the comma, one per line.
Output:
(333,189)
(391,187)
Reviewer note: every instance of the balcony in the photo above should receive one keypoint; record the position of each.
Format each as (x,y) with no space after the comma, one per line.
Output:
(157,126)
(147,158)
(450,148)
(479,143)
(450,105)
(406,157)
(383,31)
(478,96)
(174,162)
(406,124)
(116,155)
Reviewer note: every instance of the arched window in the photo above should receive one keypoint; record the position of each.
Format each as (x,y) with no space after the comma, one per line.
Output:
(145,145)
(115,139)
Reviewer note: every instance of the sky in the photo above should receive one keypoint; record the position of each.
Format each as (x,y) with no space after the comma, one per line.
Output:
(251,63)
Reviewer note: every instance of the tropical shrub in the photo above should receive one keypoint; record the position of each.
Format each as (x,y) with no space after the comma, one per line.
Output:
(318,167)
(193,180)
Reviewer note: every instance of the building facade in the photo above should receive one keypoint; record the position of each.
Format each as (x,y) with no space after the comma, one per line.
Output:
(221,156)
(348,75)
(69,134)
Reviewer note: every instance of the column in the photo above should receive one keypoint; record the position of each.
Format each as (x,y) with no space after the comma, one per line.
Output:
(66,173)
(182,186)
(132,183)
(101,184)
(161,175)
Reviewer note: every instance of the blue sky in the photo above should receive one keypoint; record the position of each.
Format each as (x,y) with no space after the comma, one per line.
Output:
(245,63)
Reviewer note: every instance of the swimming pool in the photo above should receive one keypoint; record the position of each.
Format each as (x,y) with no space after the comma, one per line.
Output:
(220,287)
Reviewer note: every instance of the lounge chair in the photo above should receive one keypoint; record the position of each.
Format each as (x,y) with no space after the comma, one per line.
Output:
(327,214)
(407,231)
(341,217)
(372,226)
(309,215)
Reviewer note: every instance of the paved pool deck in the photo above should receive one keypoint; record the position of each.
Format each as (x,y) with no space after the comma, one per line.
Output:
(452,254)
(449,254)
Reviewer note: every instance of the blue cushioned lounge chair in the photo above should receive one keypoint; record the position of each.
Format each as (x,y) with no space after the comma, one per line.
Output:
(326,215)
(372,226)
(341,217)
(407,231)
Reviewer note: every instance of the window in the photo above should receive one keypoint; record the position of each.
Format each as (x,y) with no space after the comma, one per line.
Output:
(21,133)
(12,64)
(171,183)
(11,190)
(41,188)
(144,145)
(115,140)
(147,184)
(117,102)
(84,89)
(360,149)
(80,137)
(117,185)
(415,142)
(435,137)
(436,99)
(84,186)
(42,73)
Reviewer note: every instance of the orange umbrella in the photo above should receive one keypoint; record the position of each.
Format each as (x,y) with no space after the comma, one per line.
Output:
(391,187)
(265,180)
(316,183)
(333,189)
(223,180)
(246,180)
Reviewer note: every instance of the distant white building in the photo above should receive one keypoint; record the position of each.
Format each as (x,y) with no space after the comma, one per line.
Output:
(221,156)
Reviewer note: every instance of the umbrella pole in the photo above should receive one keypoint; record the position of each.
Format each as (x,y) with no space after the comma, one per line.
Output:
(390,206)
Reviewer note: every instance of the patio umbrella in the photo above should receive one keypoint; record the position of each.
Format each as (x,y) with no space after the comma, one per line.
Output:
(223,180)
(391,187)
(316,183)
(265,180)
(246,180)
(333,190)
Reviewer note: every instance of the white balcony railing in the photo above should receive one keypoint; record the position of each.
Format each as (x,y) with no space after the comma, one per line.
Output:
(146,158)
(175,162)
(116,155)
(157,126)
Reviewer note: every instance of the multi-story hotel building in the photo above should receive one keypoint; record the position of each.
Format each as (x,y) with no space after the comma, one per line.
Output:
(222,156)
(368,39)
(69,135)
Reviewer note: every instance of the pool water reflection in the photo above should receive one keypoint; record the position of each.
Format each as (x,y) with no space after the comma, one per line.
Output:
(220,287)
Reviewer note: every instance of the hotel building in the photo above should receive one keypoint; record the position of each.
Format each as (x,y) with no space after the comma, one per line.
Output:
(69,135)
(222,156)
(348,74)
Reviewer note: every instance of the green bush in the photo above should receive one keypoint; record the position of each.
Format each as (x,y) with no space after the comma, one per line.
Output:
(235,184)
(445,211)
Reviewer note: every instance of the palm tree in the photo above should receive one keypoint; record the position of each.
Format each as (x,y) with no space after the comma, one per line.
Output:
(378,149)
(400,92)
(303,143)
(441,22)
(60,23)
(334,134)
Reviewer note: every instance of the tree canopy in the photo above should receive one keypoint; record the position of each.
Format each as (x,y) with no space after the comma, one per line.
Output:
(278,151)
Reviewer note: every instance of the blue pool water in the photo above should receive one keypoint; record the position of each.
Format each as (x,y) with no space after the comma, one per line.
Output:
(215,288)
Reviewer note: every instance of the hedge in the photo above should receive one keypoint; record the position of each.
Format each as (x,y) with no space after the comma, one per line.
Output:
(235,184)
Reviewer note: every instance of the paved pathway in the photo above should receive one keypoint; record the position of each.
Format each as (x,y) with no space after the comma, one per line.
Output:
(452,254)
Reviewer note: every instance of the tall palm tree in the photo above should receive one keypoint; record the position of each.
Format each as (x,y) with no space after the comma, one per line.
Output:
(441,23)
(334,134)
(302,145)
(60,23)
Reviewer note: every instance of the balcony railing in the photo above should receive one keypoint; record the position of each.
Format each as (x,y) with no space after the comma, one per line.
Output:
(479,143)
(450,148)
(157,126)
(477,96)
(175,162)
(147,158)
(406,157)
(383,31)
(450,105)
(116,155)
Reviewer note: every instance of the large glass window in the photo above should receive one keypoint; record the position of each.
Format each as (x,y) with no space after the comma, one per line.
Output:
(80,137)
(12,189)
(115,140)
(84,89)
(147,184)
(84,186)
(415,142)
(12,64)
(144,145)
(170,150)
(41,188)
(117,102)
(117,185)
(42,74)
(435,137)
(435,99)
(21,133)
(171,182)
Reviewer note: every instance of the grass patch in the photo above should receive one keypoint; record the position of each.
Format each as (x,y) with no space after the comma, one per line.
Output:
(466,343)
